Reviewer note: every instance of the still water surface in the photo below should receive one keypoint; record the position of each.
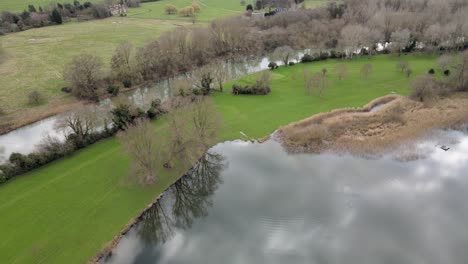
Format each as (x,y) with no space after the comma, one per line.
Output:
(254,203)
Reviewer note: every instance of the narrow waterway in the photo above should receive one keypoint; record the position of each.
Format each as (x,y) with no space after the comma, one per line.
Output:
(24,140)
(255,203)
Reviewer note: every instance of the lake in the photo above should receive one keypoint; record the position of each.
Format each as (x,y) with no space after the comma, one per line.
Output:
(255,203)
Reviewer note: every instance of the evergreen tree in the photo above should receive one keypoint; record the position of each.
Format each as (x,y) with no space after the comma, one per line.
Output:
(32,9)
(56,17)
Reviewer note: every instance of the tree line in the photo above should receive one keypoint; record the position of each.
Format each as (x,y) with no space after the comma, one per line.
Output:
(368,25)
(56,14)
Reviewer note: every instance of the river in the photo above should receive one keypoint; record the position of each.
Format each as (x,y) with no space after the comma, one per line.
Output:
(255,203)
(25,139)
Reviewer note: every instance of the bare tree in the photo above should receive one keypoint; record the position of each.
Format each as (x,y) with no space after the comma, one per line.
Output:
(402,66)
(324,71)
(139,142)
(308,83)
(322,83)
(400,40)
(203,79)
(206,122)
(460,78)
(444,61)
(353,37)
(366,70)
(120,62)
(341,71)
(408,72)
(315,82)
(79,124)
(2,54)
(220,75)
(284,54)
(35,98)
(264,79)
(433,36)
(194,125)
(423,88)
(83,74)
(182,146)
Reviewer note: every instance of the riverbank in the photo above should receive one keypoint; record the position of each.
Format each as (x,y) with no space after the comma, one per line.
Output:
(361,131)
(81,202)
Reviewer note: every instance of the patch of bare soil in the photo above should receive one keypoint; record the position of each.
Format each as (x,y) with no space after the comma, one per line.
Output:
(365,132)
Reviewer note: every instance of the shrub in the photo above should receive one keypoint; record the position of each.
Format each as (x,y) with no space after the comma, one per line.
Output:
(155,110)
(272,65)
(114,90)
(408,72)
(263,80)
(156,103)
(292,63)
(127,83)
(50,149)
(424,87)
(431,71)
(171,9)
(133,3)
(99,11)
(186,11)
(122,116)
(250,89)
(56,17)
(35,97)
(307,58)
(84,74)
(336,55)
(196,7)
(66,89)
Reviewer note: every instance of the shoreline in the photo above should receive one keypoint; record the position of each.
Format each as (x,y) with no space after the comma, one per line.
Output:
(360,131)
(106,251)
(19,122)
(385,103)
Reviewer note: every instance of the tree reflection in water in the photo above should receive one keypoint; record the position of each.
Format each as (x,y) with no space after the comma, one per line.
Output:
(188,199)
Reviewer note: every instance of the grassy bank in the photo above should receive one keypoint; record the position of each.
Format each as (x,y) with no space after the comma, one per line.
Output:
(65,212)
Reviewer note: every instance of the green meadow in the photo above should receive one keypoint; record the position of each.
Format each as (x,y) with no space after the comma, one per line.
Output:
(65,212)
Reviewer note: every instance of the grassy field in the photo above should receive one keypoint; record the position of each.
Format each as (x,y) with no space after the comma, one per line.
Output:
(210,10)
(35,58)
(65,212)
